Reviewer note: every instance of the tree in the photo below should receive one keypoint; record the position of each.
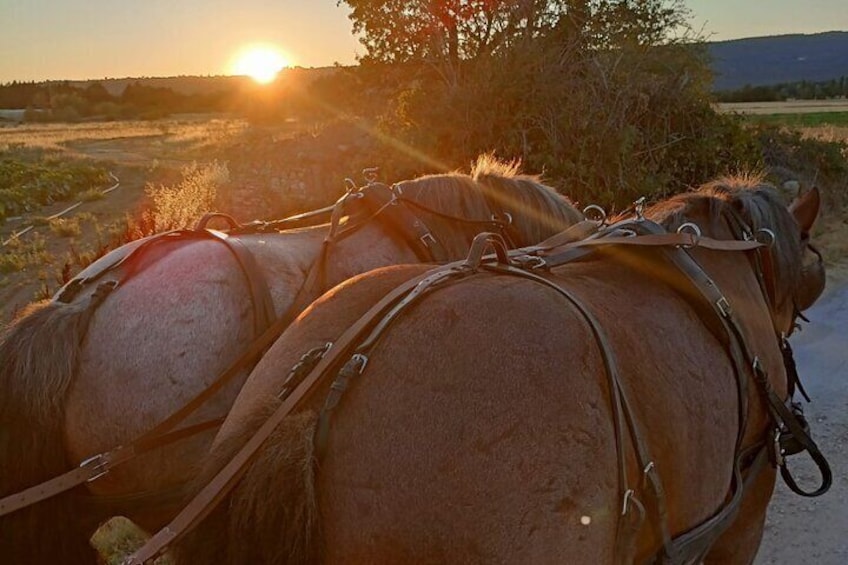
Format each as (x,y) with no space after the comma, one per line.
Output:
(609,97)
(403,31)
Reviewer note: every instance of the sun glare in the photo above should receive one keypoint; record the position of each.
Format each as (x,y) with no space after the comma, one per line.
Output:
(260,62)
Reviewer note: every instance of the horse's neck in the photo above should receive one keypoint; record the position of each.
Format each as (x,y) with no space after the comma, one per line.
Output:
(734,275)
(285,259)
(371,246)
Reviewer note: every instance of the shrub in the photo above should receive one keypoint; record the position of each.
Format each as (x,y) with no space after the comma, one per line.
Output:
(605,126)
(182,205)
(28,183)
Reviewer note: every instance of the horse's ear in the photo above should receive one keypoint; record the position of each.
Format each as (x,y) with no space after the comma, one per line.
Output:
(805,208)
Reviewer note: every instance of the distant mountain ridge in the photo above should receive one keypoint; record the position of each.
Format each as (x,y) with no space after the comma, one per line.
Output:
(763,61)
(753,61)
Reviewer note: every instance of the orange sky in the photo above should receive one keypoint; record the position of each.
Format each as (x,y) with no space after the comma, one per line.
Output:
(92,39)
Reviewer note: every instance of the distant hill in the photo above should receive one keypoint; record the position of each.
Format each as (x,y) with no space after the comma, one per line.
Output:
(761,61)
(190,85)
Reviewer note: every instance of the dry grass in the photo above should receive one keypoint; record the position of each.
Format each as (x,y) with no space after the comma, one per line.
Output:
(827,133)
(116,539)
(182,205)
(65,227)
(194,134)
(19,254)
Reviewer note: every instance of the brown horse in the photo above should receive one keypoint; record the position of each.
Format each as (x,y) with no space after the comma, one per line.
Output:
(78,379)
(485,425)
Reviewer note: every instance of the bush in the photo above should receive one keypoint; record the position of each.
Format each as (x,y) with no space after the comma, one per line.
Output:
(607,127)
(812,161)
(182,205)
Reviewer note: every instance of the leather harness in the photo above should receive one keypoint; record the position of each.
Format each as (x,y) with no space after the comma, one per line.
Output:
(348,356)
(380,200)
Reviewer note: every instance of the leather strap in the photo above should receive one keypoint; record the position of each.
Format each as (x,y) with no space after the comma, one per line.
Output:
(785,418)
(260,294)
(405,223)
(205,500)
(622,416)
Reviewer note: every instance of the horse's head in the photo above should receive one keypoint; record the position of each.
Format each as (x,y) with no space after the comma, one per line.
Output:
(797,274)
(790,269)
(810,286)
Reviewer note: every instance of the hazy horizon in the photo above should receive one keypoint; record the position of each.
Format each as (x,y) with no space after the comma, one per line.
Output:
(47,40)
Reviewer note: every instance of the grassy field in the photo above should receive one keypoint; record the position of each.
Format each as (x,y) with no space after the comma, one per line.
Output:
(788,108)
(186,138)
(47,168)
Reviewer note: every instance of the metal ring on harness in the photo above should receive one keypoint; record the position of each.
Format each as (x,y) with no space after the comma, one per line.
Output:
(639,207)
(600,214)
(370,174)
(689,227)
(204,221)
(506,215)
(771,237)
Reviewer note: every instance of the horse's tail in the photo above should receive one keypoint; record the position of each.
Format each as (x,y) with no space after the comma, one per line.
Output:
(271,516)
(38,358)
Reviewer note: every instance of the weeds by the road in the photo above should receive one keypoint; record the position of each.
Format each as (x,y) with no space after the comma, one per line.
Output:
(182,205)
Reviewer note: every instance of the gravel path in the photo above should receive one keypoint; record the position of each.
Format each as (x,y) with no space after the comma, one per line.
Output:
(814,531)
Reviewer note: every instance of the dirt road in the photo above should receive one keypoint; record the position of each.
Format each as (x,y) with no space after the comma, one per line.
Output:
(815,530)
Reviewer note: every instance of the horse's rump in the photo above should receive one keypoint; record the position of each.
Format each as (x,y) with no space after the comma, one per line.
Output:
(481,429)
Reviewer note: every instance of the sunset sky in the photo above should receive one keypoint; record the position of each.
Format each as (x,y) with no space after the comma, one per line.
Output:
(93,39)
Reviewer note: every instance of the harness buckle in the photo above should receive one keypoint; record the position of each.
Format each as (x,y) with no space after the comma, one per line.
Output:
(600,215)
(724,307)
(506,221)
(689,227)
(98,464)
(428,240)
(769,239)
(776,449)
(628,494)
(530,262)
(360,361)
(639,208)
(370,174)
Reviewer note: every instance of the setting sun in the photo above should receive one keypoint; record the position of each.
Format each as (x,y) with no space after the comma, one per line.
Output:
(260,62)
